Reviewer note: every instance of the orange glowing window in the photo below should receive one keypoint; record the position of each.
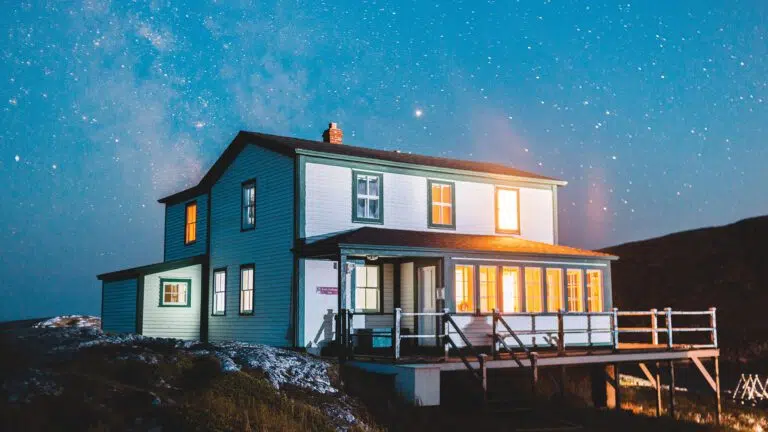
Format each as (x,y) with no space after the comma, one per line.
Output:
(465,288)
(441,198)
(507,210)
(510,290)
(488,292)
(533,291)
(190,232)
(554,290)
(575,290)
(595,290)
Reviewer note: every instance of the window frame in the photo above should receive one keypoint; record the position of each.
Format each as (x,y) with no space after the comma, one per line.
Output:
(561,292)
(379,289)
(364,220)
(518,295)
(243,185)
(186,222)
(541,289)
(496,209)
(251,267)
(568,295)
(588,290)
(490,270)
(430,224)
(213,303)
(163,281)
(472,288)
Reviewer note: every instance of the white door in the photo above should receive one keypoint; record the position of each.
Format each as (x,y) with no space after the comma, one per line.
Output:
(427,303)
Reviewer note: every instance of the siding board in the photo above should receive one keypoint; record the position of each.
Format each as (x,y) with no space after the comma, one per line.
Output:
(172,322)
(119,307)
(174,229)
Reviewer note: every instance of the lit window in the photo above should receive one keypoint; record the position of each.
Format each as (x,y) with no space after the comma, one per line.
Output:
(174,292)
(246,289)
(510,289)
(554,290)
(368,189)
(248,204)
(219,292)
(441,198)
(465,288)
(367,289)
(575,290)
(190,232)
(507,210)
(487,288)
(533,291)
(595,290)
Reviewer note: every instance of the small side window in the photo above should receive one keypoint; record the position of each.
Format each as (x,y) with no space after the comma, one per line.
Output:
(248,206)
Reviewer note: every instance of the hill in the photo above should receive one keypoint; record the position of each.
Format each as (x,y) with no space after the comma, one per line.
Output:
(724,266)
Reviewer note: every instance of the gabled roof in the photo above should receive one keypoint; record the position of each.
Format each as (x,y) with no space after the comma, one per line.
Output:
(292,146)
(151,268)
(433,240)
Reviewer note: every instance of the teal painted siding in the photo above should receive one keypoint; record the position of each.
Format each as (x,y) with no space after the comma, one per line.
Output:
(174,229)
(268,247)
(118,314)
(172,322)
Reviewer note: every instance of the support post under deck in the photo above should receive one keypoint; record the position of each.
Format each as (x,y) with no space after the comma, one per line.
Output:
(672,389)
(658,389)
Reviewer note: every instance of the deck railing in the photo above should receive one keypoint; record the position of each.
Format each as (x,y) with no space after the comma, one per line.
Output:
(595,327)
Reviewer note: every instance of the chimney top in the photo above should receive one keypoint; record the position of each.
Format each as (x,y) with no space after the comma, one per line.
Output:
(333,134)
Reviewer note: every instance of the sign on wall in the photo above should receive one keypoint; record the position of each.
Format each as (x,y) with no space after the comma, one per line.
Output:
(327,290)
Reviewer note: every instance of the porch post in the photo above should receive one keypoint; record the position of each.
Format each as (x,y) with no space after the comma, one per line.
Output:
(672,389)
(342,321)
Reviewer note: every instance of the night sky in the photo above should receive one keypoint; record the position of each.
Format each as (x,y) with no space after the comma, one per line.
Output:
(654,112)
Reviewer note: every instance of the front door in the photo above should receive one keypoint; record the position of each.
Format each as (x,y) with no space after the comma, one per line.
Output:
(427,303)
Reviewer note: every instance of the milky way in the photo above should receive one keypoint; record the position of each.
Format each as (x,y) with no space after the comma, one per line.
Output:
(653,113)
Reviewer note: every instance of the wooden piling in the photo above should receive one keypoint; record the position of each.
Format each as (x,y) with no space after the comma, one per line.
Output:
(672,385)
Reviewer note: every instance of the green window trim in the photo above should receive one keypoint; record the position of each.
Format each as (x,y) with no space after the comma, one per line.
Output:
(430,224)
(163,281)
(355,217)
(224,292)
(187,224)
(250,312)
(244,225)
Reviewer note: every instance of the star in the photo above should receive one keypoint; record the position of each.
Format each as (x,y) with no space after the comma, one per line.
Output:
(418,113)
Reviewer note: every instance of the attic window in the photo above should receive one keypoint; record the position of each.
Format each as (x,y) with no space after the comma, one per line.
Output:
(507,210)
(190,224)
(368,192)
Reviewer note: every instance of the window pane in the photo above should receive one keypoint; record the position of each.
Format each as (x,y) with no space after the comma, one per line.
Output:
(435,192)
(533,292)
(191,213)
(361,207)
(595,290)
(575,290)
(372,299)
(554,290)
(372,276)
(487,288)
(373,209)
(446,198)
(373,186)
(510,280)
(436,215)
(506,210)
(362,185)
(360,277)
(464,287)
(446,219)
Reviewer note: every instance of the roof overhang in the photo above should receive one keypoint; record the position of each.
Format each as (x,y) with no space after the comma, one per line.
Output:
(151,268)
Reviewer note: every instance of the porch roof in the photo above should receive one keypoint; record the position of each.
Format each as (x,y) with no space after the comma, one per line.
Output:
(383,238)
(151,268)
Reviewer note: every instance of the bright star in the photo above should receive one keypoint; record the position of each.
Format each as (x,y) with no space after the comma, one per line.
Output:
(418,113)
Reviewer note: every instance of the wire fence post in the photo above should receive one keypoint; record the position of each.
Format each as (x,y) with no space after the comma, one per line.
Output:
(654,326)
(615,328)
(494,342)
(446,336)
(560,334)
(713,326)
(396,339)
(668,313)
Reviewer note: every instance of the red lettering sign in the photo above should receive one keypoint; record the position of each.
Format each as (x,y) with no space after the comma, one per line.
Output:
(327,290)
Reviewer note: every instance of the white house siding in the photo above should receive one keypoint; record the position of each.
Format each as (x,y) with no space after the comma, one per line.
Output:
(118,313)
(328,204)
(407,294)
(172,321)
(317,307)
(268,247)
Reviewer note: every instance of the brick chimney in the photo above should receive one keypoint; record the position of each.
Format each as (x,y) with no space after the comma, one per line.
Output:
(333,134)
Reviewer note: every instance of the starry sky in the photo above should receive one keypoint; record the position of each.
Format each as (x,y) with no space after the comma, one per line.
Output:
(654,112)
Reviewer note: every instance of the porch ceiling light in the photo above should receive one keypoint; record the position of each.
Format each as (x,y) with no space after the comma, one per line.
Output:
(372,257)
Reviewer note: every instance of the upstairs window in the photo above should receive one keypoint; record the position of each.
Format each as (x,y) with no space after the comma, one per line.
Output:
(248,206)
(533,291)
(175,292)
(367,191)
(595,290)
(465,288)
(220,292)
(367,289)
(441,199)
(507,210)
(575,290)
(190,223)
(246,289)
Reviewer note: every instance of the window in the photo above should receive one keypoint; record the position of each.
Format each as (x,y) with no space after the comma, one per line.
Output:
(507,210)
(554,290)
(367,190)
(441,199)
(533,292)
(575,290)
(248,206)
(220,292)
(487,288)
(595,290)
(175,292)
(465,288)
(367,289)
(510,289)
(246,289)
(190,223)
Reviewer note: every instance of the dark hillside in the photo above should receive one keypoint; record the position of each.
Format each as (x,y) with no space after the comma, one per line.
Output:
(725,267)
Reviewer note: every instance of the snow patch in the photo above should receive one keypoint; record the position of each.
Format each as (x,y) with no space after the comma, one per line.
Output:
(78,321)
